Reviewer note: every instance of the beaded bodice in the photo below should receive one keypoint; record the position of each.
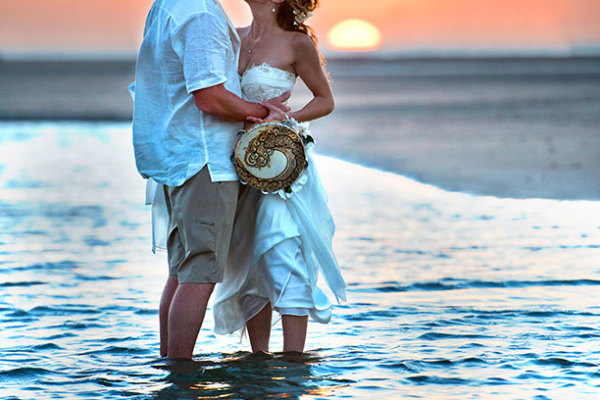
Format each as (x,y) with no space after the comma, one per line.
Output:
(263,82)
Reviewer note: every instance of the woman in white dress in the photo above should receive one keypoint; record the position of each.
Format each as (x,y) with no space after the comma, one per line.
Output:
(281,241)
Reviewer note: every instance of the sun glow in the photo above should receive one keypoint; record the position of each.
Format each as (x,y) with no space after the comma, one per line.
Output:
(354,34)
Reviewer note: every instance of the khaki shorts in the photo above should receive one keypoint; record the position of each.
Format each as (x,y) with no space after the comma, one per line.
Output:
(201,214)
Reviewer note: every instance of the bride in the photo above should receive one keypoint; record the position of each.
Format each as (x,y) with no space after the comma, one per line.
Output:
(280,241)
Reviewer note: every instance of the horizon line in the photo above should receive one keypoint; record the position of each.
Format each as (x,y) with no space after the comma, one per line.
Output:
(573,52)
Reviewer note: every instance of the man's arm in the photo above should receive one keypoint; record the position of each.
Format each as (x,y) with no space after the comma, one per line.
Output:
(221,103)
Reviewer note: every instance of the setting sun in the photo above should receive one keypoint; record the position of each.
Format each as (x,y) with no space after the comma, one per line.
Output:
(354,34)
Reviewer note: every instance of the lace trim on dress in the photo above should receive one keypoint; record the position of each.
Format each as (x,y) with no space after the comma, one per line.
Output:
(263,82)
(265,67)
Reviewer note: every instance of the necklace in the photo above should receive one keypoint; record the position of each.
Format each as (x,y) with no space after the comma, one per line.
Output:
(251,43)
(254,40)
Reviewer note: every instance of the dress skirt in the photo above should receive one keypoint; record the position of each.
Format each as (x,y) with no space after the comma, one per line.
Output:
(281,243)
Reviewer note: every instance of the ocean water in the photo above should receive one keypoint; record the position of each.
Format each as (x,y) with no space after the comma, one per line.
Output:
(451,296)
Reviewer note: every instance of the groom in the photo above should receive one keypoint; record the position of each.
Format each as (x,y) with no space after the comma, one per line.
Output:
(186,115)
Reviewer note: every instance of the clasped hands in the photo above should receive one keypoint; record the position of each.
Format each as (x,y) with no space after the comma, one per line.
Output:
(276,107)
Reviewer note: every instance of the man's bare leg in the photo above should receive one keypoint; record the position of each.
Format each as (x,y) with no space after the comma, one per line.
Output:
(186,316)
(294,332)
(259,329)
(163,312)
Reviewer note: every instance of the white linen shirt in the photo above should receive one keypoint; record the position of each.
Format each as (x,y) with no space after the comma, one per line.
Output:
(188,45)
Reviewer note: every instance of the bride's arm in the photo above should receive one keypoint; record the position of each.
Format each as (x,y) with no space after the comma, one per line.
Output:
(308,67)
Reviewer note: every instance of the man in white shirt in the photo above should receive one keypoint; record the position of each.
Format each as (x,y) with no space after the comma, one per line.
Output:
(186,115)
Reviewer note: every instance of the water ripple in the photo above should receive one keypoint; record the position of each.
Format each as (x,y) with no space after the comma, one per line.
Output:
(23,373)
(25,284)
(50,266)
(117,350)
(66,309)
(441,335)
(440,380)
(456,284)
(563,363)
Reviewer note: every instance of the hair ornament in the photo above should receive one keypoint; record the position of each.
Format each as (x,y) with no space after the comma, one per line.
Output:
(300,16)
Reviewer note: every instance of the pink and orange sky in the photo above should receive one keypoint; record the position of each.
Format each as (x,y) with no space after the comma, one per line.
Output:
(116,25)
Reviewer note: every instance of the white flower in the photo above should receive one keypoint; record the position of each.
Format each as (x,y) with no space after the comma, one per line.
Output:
(295,187)
(300,17)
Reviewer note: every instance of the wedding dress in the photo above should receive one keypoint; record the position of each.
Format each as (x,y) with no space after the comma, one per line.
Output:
(281,242)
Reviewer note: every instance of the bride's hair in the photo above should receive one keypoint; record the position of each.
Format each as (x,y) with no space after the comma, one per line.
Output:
(293,13)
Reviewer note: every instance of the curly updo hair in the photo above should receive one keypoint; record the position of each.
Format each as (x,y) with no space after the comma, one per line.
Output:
(293,13)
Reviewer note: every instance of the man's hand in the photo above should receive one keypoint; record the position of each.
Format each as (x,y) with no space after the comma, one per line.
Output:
(280,100)
(275,114)
(277,109)
(221,103)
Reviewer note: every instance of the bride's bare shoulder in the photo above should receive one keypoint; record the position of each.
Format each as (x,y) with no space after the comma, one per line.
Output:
(298,38)
(302,44)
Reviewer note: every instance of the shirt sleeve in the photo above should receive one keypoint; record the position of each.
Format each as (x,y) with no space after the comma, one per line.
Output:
(202,43)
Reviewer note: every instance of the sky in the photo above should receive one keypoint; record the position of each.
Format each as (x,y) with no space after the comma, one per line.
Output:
(114,26)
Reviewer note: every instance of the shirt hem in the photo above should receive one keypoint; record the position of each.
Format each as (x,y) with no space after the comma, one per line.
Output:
(214,177)
(222,177)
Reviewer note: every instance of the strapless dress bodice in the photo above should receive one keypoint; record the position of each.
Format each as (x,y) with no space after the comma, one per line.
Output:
(263,82)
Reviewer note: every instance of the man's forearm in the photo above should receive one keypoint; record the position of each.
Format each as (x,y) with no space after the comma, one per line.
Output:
(232,108)
(221,103)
